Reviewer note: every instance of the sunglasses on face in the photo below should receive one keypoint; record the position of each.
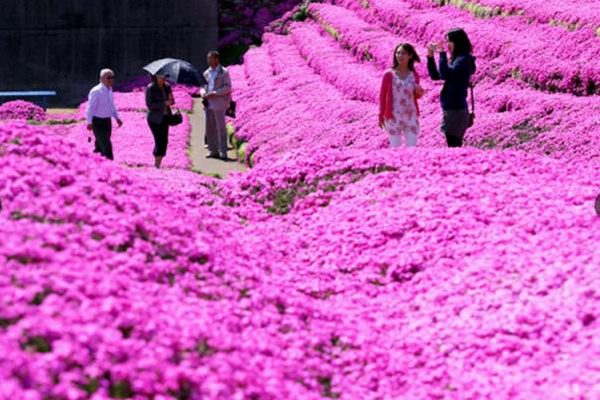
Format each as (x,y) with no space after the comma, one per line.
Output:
(110,77)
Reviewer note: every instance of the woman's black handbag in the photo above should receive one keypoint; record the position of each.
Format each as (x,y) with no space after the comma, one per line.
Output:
(472,113)
(231,110)
(174,119)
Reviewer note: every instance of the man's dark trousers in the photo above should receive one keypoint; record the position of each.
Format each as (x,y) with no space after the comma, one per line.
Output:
(102,128)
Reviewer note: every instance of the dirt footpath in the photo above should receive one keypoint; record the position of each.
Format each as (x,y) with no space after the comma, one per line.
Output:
(198,151)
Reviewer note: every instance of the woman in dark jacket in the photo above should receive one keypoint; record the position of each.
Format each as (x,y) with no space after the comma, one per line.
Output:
(159,98)
(456,74)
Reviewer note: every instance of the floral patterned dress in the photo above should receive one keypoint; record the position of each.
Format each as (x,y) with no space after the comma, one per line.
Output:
(406,121)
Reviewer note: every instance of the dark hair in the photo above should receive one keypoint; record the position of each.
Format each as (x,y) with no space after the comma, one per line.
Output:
(215,54)
(154,78)
(462,44)
(414,57)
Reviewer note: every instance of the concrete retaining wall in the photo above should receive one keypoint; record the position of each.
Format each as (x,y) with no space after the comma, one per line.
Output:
(62,44)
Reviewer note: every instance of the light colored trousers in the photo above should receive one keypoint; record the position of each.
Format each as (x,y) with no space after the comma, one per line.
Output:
(396,140)
(216,132)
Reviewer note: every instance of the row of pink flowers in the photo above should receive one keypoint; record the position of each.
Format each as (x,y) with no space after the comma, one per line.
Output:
(583,14)
(549,58)
(510,115)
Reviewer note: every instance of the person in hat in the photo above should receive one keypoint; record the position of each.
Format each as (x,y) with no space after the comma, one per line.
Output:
(100,111)
(217,93)
(159,99)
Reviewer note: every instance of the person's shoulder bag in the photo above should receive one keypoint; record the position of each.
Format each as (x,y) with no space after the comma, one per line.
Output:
(174,119)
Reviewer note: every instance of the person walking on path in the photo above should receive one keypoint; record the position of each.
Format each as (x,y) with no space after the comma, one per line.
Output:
(159,99)
(456,74)
(100,109)
(400,89)
(216,95)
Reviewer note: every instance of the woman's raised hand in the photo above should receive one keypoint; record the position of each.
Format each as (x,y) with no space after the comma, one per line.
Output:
(430,49)
(434,47)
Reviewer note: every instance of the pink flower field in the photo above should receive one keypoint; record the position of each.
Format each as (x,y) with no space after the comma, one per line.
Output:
(334,267)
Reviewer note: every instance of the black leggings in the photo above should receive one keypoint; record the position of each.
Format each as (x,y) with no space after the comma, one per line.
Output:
(161,137)
(454,126)
(454,141)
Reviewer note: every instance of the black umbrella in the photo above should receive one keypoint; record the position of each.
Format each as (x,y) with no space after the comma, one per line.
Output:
(176,70)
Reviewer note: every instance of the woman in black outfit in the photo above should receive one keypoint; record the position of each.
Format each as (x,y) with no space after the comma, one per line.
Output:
(456,74)
(159,98)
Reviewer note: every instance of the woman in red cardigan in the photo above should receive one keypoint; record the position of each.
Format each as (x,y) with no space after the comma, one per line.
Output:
(400,89)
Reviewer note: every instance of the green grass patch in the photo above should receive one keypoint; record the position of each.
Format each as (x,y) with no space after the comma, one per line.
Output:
(302,14)
(282,200)
(241,152)
(211,174)
(37,344)
(121,390)
(67,121)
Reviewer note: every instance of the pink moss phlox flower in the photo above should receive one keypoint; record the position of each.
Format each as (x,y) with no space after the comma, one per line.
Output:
(20,109)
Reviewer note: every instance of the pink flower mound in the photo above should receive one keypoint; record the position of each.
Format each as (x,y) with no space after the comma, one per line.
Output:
(20,109)
(459,274)
(118,287)
(116,290)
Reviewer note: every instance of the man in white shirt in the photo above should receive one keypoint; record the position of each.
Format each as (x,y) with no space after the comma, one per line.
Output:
(217,94)
(100,109)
